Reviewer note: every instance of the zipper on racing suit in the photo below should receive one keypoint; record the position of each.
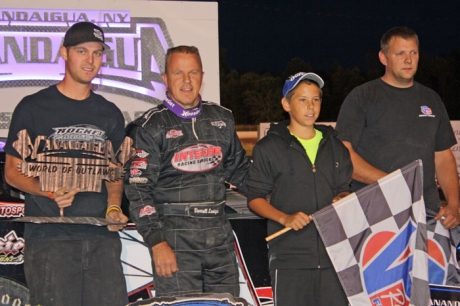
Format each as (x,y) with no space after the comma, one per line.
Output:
(193,128)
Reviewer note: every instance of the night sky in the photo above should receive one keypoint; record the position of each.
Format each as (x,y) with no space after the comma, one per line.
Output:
(265,35)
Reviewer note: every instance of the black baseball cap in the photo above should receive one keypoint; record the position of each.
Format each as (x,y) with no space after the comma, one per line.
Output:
(82,32)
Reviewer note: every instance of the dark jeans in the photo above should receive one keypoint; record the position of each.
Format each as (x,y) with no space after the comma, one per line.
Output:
(205,257)
(75,272)
(319,287)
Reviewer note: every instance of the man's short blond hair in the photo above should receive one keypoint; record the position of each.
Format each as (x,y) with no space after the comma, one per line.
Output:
(182,49)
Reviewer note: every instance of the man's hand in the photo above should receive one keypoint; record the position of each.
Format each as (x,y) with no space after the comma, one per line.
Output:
(446,174)
(296,221)
(118,217)
(449,216)
(340,196)
(63,198)
(164,260)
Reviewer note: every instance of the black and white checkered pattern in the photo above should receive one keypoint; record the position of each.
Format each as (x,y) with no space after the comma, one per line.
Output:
(447,240)
(215,160)
(385,206)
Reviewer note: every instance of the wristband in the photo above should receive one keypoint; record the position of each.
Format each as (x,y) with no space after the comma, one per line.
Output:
(50,195)
(112,207)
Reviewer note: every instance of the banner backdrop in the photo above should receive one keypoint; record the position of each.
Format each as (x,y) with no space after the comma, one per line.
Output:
(139,32)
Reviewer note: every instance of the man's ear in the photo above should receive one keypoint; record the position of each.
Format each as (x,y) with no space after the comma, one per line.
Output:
(383,58)
(165,78)
(285,104)
(63,52)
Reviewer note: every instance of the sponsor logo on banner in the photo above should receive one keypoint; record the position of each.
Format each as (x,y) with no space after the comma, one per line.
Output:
(139,163)
(147,210)
(220,124)
(11,210)
(444,295)
(11,249)
(197,158)
(387,255)
(174,134)
(138,180)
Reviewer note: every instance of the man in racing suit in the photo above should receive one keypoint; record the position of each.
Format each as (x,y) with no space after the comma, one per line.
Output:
(186,150)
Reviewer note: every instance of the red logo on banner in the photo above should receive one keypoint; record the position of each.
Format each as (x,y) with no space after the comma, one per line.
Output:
(9,210)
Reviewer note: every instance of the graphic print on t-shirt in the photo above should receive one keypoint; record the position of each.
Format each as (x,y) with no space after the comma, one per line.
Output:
(78,156)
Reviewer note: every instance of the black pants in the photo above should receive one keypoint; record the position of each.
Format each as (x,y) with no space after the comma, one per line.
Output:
(75,273)
(205,256)
(307,287)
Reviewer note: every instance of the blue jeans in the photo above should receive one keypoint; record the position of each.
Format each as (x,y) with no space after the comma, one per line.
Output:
(75,272)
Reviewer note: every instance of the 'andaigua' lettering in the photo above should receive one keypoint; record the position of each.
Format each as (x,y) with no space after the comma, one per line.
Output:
(69,16)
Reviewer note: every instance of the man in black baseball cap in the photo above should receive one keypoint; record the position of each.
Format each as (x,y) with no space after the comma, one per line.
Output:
(82,32)
(82,50)
(68,264)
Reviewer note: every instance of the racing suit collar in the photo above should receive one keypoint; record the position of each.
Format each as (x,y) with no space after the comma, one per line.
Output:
(181,112)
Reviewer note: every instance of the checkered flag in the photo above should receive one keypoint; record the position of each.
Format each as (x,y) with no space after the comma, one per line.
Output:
(443,267)
(377,240)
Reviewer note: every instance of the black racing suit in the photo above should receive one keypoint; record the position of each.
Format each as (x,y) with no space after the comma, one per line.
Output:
(176,188)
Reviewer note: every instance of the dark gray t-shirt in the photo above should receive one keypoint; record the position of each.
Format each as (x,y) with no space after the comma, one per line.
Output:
(72,139)
(390,127)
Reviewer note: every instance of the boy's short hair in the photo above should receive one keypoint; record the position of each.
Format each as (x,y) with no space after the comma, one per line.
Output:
(301,77)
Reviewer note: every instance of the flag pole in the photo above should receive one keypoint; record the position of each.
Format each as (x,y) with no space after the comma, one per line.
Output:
(284,230)
(278,233)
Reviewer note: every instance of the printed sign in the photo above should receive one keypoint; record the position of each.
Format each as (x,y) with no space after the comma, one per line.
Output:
(11,210)
(138,33)
(11,249)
